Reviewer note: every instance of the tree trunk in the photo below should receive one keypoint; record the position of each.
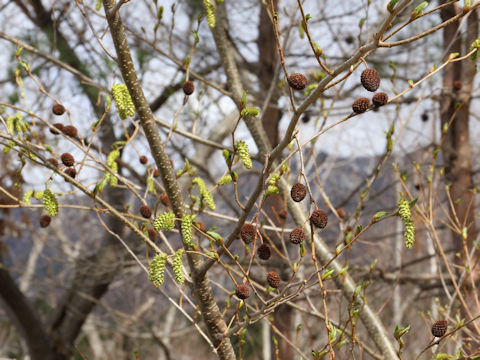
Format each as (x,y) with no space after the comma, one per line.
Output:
(267,62)
(27,321)
(456,148)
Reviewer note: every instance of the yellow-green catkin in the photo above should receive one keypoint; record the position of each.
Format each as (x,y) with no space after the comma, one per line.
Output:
(272,190)
(177,266)
(206,194)
(123,100)
(224,180)
(187,229)
(210,11)
(243,154)
(409,227)
(27,196)
(156,270)
(50,203)
(249,112)
(38,195)
(165,221)
(112,163)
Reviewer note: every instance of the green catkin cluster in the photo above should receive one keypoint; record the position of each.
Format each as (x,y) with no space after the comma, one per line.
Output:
(165,221)
(274,180)
(249,112)
(16,124)
(27,196)
(156,270)
(406,216)
(112,164)
(187,226)
(38,195)
(50,203)
(272,190)
(227,155)
(224,180)
(210,10)
(11,124)
(177,266)
(123,100)
(206,194)
(243,154)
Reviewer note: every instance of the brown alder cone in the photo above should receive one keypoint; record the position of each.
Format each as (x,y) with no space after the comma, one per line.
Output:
(58,128)
(273,279)
(58,109)
(70,130)
(370,79)
(165,200)
(145,211)
(53,161)
(152,234)
(297,81)
(379,99)
(297,236)
(68,159)
(319,218)
(70,172)
(361,105)
(143,159)
(439,328)
(242,291)
(188,87)
(45,221)
(341,213)
(248,233)
(264,252)
(298,192)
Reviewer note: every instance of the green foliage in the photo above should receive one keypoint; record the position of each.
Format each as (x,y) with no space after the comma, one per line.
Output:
(418,10)
(475,46)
